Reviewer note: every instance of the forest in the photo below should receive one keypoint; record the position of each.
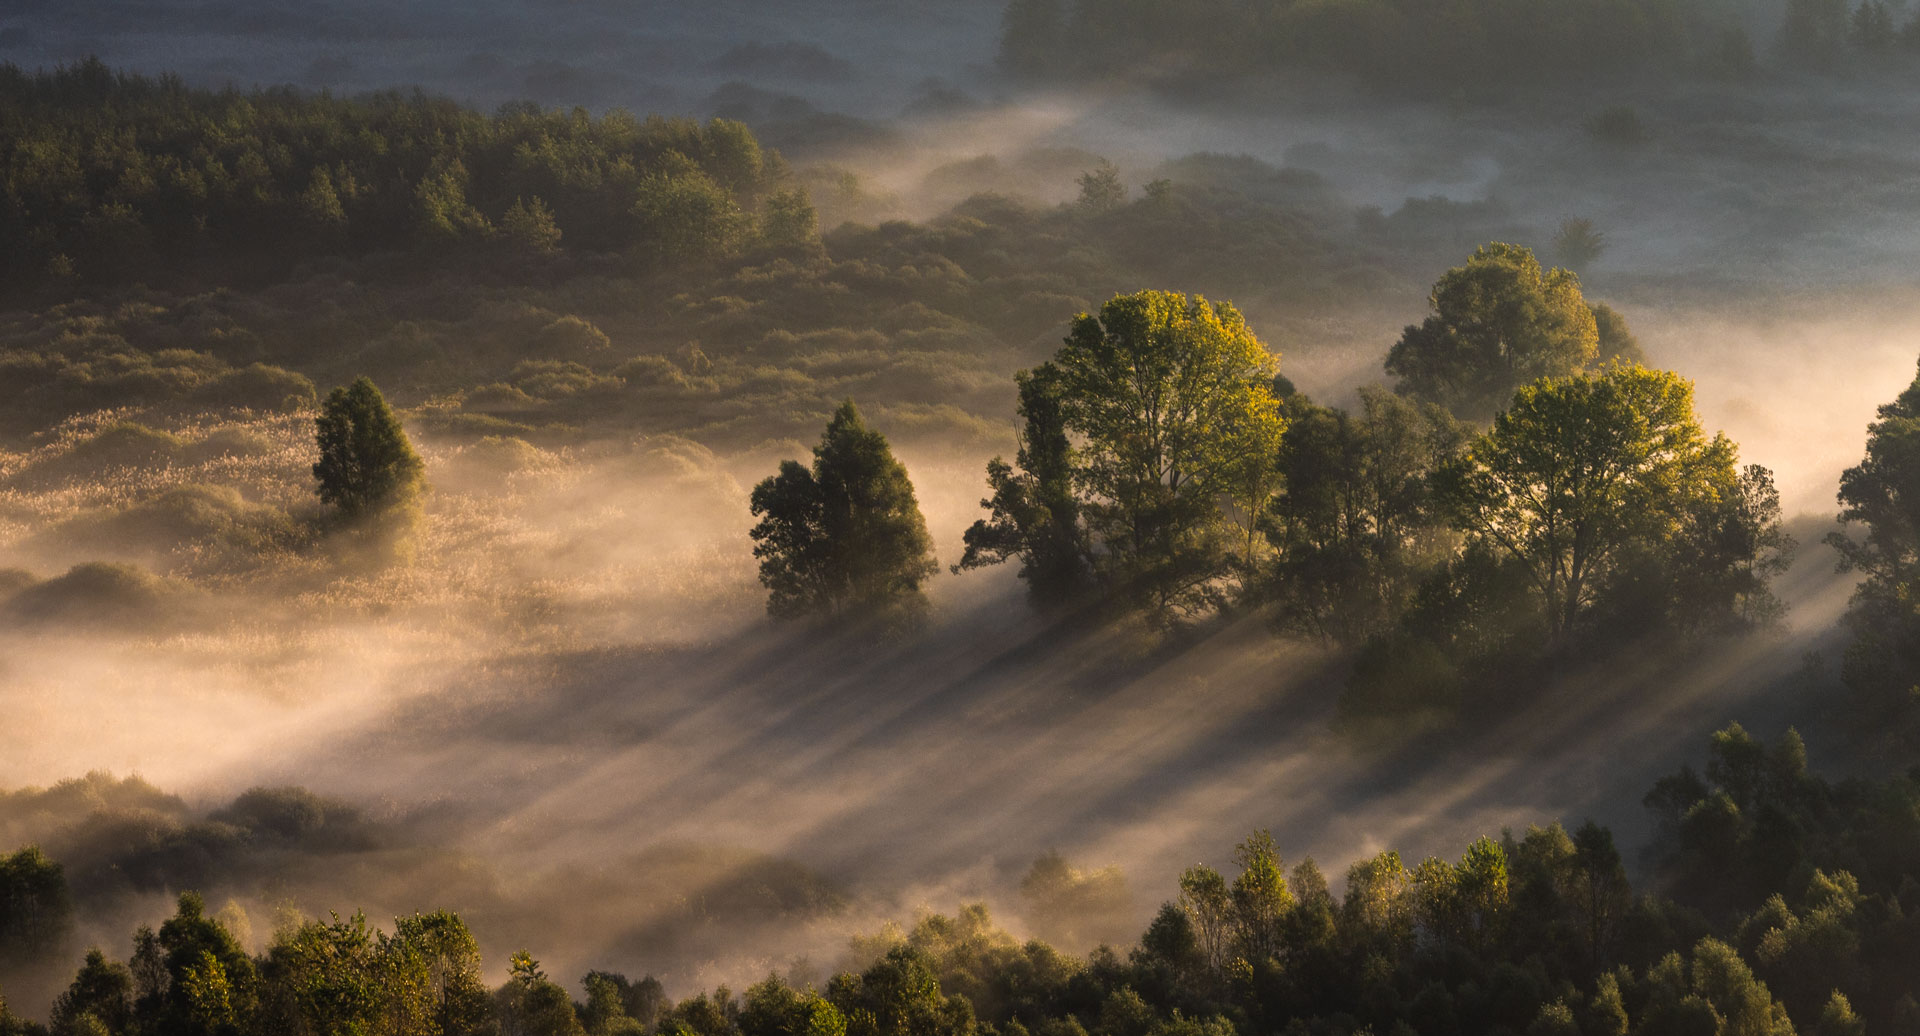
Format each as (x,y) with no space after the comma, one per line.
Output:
(549,570)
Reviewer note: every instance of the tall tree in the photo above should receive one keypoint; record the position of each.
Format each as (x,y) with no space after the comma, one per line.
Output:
(1498,322)
(1355,527)
(1880,498)
(367,468)
(1171,397)
(845,538)
(1035,514)
(1581,471)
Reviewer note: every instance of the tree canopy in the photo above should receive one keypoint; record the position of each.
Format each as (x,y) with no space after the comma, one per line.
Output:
(1499,322)
(1158,416)
(367,467)
(844,539)
(1582,473)
(1880,500)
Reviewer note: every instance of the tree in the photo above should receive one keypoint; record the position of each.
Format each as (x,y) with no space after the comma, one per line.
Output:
(846,538)
(1355,528)
(686,216)
(1617,342)
(530,1004)
(1582,472)
(530,227)
(36,910)
(1577,244)
(1036,516)
(367,468)
(1498,322)
(1101,189)
(101,993)
(1880,500)
(790,220)
(195,978)
(1171,398)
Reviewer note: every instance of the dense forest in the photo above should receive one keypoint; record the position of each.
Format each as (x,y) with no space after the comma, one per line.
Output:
(1481,49)
(1781,903)
(255,335)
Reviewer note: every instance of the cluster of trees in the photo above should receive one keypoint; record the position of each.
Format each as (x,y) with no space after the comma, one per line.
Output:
(1477,47)
(1825,35)
(109,178)
(1780,904)
(1165,465)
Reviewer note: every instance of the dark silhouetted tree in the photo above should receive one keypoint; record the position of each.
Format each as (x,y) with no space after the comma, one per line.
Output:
(846,538)
(1036,516)
(1880,498)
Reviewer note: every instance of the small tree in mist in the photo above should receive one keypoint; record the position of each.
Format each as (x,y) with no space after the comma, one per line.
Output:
(367,470)
(36,911)
(1101,189)
(1577,244)
(844,539)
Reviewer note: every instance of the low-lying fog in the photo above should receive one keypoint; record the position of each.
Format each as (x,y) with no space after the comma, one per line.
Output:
(569,712)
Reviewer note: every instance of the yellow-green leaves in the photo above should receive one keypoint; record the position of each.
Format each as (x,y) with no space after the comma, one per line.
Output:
(1578,470)
(1171,401)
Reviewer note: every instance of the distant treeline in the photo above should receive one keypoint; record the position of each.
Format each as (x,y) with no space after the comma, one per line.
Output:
(1779,904)
(1478,48)
(110,178)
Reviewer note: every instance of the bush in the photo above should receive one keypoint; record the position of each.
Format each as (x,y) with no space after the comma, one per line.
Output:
(94,594)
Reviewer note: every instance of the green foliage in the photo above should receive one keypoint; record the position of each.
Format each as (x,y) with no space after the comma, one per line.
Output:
(115,178)
(1498,322)
(100,996)
(844,540)
(1880,497)
(1068,906)
(1577,244)
(530,227)
(36,912)
(367,468)
(1355,527)
(1582,474)
(1172,401)
(1101,189)
(1035,512)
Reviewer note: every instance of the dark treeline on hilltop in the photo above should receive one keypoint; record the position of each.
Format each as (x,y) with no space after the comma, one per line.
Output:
(1779,904)
(111,178)
(1481,49)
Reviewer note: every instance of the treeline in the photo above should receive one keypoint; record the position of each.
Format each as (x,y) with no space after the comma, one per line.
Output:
(1478,48)
(1780,904)
(108,178)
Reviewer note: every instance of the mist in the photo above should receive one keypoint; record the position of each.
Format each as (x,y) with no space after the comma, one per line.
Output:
(567,715)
